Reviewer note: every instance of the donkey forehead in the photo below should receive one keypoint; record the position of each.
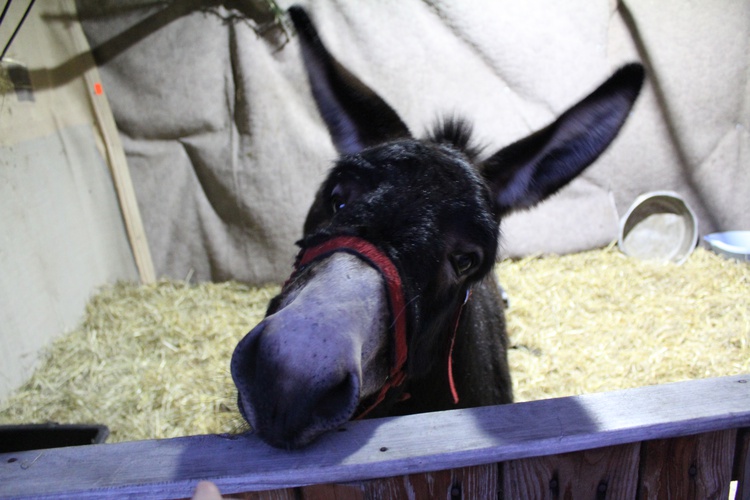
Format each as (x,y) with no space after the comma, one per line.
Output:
(429,167)
(416,195)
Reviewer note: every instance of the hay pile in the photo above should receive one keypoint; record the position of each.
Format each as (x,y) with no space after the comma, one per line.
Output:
(153,361)
(599,321)
(148,361)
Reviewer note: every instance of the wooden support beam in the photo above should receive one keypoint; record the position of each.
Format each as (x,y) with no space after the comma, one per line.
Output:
(123,184)
(115,157)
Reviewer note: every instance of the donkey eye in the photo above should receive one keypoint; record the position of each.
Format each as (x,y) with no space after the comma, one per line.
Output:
(464,262)
(337,203)
(338,198)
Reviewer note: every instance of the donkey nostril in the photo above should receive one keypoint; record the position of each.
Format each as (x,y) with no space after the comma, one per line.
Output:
(340,398)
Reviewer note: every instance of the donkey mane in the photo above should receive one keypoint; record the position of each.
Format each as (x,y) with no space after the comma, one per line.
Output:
(456,132)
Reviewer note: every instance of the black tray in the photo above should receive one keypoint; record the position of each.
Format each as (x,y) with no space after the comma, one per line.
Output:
(51,435)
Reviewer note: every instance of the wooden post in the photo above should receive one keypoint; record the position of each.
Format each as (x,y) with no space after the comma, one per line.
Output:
(118,165)
(121,178)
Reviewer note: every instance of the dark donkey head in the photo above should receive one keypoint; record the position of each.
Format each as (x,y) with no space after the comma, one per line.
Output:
(399,232)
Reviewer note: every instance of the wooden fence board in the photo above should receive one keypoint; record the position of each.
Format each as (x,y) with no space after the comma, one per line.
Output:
(379,448)
(742,465)
(333,492)
(284,494)
(610,473)
(465,482)
(689,467)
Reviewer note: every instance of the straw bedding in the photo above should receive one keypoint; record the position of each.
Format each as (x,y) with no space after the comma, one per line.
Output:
(153,361)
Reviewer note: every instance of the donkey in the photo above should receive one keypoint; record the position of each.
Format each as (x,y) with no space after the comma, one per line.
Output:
(392,307)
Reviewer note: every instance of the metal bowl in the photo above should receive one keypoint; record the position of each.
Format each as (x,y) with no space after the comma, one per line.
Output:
(658,226)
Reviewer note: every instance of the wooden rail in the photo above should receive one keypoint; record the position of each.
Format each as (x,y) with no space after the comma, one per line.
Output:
(682,440)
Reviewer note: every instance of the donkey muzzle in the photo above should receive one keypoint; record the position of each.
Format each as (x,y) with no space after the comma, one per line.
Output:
(299,372)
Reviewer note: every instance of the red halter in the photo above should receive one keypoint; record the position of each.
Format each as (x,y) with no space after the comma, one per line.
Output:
(380,261)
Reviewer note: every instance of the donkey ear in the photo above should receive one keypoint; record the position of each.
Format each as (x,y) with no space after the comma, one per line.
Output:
(355,115)
(535,167)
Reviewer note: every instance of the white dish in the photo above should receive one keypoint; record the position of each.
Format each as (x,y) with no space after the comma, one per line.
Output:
(733,244)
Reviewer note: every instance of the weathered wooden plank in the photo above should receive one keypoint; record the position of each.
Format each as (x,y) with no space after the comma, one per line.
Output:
(465,482)
(610,473)
(689,467)
(352,491)
(381,447)
(122,181)
(742,465)
(285,494)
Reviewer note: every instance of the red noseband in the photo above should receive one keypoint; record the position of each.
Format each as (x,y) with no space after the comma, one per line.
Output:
(383,264)
(380,261)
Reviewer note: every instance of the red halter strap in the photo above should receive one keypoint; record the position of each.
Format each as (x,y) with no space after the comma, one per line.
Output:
(381,262)
(451,382)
